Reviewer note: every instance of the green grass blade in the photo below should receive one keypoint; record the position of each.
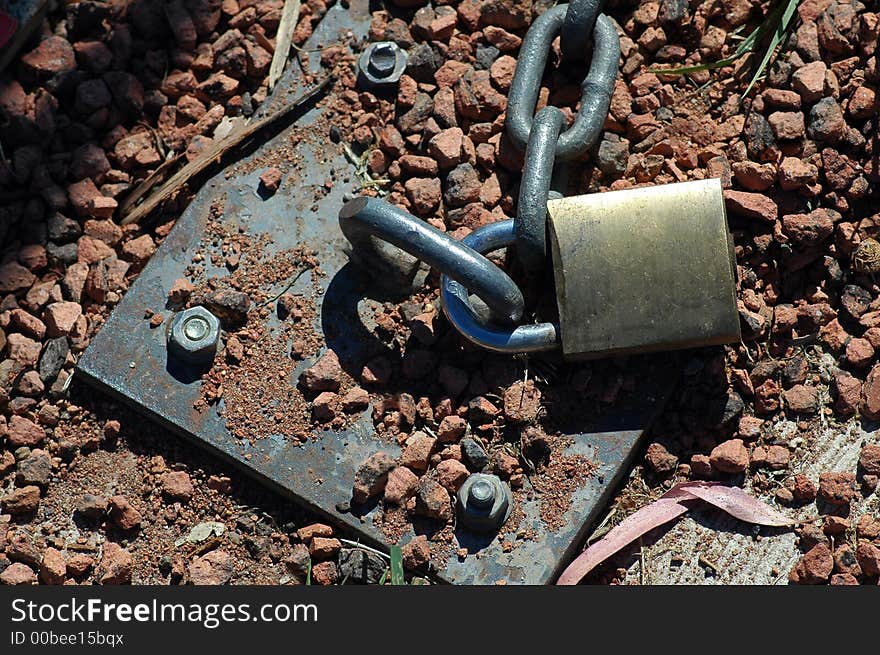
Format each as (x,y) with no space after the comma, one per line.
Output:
(745,46)
(684,70)
(309,574)
(777,22)
(397,566)
(769,23)
(778,36)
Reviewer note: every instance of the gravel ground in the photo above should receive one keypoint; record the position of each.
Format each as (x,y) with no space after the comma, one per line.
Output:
(109,90)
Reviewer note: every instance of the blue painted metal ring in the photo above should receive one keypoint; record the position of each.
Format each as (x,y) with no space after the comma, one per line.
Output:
(454,300)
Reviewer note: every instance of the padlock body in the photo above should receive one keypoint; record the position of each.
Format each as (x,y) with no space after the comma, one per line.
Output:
(643,270)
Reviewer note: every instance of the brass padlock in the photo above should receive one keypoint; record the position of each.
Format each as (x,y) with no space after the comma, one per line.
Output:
(643,269)
(636,271)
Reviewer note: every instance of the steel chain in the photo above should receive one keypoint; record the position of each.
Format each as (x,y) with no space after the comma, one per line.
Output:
(368,222)
(456,305)
(596,87)
(531,132)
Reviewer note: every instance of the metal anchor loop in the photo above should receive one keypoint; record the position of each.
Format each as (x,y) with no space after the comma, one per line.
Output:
(454,300)
(596,87)
(366,222)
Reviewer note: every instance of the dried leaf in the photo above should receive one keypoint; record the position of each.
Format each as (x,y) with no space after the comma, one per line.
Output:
(671,505)
(738,504)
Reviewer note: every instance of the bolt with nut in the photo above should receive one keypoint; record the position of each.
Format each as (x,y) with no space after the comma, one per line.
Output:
(381,65)
(483,503)
(193,336)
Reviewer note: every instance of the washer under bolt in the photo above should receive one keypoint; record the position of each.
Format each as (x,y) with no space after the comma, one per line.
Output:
(381,65)
(483,503)
(193,336)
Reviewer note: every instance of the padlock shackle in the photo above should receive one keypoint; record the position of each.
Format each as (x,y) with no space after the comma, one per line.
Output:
(539,337)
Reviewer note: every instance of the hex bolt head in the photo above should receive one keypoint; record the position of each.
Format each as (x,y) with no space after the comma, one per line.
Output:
(381,65)
(481,494)
(483,503)
(383,59)
(193,336)
(196,328)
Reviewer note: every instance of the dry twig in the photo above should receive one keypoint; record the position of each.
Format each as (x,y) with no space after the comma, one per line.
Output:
(283,40)
(215,152)
(154,178)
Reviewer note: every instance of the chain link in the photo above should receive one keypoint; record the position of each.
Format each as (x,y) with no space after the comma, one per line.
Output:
(456,305)
(534,189)
(370,225)
(596,87)
(577,28)
(541,136)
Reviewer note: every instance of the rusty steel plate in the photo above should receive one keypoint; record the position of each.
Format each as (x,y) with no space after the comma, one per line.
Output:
(128,360)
